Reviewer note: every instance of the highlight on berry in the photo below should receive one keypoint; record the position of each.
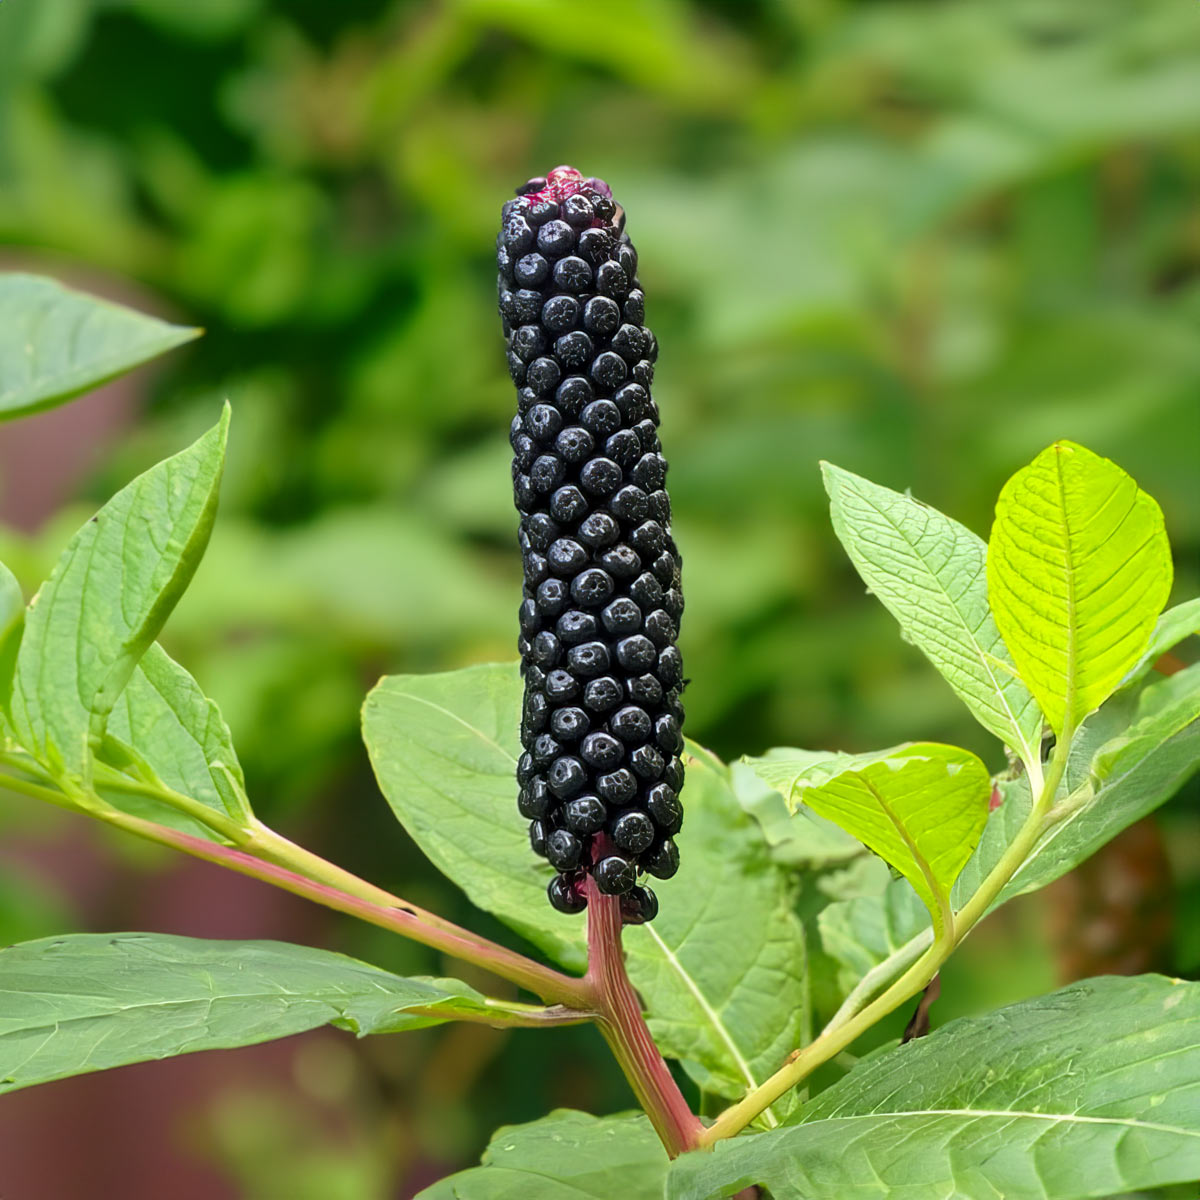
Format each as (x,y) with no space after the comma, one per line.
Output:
(602,723)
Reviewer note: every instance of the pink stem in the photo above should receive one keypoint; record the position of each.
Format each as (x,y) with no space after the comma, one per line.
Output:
(625,1030)
(400,916)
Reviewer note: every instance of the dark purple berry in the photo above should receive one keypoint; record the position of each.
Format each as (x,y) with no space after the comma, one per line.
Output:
(561,313)
(599,529)
(575,626)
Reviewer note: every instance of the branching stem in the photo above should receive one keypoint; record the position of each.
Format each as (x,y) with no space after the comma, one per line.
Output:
(266,855)
(624,1028)
(851,1022)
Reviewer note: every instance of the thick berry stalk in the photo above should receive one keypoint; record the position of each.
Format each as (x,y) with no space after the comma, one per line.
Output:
(600,775)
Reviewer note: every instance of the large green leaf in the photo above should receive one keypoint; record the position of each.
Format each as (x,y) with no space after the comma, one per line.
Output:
(164,723)
(564,1156)
(1090,1091)
(1078,570)
(107,599)
(90,1001)
(444,748)
(56,343)
(862,931)
(930,572)
(720,969)
(1176,624)
(921,807)
(722,966)
(796,839)
(12,622)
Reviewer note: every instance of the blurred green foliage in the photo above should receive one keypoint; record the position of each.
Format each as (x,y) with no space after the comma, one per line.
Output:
(919,239)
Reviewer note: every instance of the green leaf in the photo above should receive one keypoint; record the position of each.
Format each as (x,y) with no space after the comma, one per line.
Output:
(1131,774)
(1090,1091)
(106,601)
(722,966)
(444,749)
(920,807)
(1130,757)
(178,733)
(1176,624)
(90,1001)
(564,1156)
(800,839)
(1078,570)
(12,622)
(859,933)
(930,573)
(56,343)
(720,969)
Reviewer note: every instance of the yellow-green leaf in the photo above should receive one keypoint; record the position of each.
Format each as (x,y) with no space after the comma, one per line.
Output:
(920,807)
(1079,568)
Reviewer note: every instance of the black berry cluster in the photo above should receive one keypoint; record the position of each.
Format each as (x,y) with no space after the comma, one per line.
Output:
(600,775)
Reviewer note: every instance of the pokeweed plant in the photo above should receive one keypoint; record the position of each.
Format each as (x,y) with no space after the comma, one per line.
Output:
(1050,634)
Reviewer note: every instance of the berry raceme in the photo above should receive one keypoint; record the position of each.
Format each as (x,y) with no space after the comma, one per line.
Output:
(602,723)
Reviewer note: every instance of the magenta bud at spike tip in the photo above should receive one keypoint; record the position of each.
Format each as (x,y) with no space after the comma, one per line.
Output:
(601,726)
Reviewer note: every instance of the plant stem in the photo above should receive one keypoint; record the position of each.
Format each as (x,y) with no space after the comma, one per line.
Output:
(624,1028)
(370,904)
(839,1033)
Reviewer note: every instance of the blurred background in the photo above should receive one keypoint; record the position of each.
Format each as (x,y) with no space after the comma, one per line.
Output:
(921,240)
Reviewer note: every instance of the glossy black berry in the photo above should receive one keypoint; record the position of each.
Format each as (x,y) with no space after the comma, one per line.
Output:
(599,775)
(614,875)
(663,805)
(584,814)
(537,837)
(661,861)
(535,799)
(638,905)
(566,776)
(602,751)
(602,694)
(630,724)
(563,849)
(632,831)
(567,896)
(569,724)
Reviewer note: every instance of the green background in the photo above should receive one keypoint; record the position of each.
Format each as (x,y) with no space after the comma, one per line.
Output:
(921,240)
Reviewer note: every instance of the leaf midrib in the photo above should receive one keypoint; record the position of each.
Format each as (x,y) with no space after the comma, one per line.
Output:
(710,1014)
(1008,1113)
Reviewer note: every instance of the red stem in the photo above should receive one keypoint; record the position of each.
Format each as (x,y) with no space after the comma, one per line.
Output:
(625,1030)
